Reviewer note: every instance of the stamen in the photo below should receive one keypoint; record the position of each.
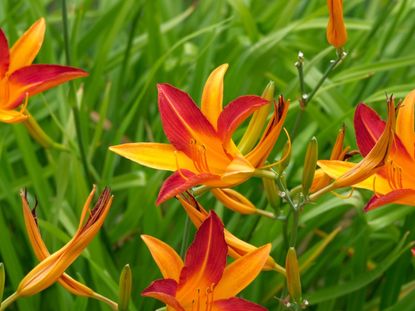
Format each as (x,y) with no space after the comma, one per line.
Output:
(285,155)
(198,155)
(178,166)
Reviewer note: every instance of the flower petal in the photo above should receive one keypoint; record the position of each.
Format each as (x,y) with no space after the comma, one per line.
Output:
(205,260)
(4,55)
(212,95)
(12,116)
(155,155)
(166,258)
(336,169)
(336,31)
(235,113)
(165,291)
(400,196)
(182,120)
(368,126)
(180,181)
(260,153)
(405,123)
(26,48)
(236,304)
(234,200)
(242,272)
(38,78)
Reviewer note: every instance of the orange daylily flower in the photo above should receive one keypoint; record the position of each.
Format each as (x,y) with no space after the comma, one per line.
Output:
(203,281)
(42,252)
(236,247)
(19,79)
(52,267)
(202,150)
(336,30)
(393,182)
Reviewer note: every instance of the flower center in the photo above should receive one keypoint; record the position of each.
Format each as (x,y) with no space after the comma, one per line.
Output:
(198,155)
(203,301)
(394,176)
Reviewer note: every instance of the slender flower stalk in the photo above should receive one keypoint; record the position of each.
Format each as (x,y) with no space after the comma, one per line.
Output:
(20,79)
(52,266)
(203,281)
(202,151)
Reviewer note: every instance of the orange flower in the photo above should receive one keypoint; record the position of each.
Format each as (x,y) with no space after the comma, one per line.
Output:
(52,267)
(202,150)
(394,181)
(204,281)
(336,30)
(19,79)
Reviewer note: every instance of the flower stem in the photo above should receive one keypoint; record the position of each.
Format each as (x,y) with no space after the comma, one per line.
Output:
(306,98)
(113,305)
(12,298)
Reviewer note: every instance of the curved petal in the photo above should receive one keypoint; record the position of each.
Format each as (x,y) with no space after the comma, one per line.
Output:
(234,200)
(212,95)
(12,116)
(336,31)
(155,155)
(4,55)
(336,169)
(38,78)
(182,120)
(405,123)
(26,48)
(236,304)
(401,196)
(165,291)
(242,272)
(180,181)
(235,113)
(205,261)
(166,258)
(368,127)
(260,153)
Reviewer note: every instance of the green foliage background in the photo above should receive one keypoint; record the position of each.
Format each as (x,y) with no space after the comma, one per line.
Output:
(127,47)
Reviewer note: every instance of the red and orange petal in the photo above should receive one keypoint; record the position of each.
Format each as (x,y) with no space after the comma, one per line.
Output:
(34,79)
(165,291)
(205,260)
(180,181)
(236,304)
(235,113)
(182,120)
(400,196)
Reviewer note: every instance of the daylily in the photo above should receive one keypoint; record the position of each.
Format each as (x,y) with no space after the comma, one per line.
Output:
(202,151)
(42,252)
(203,281)
(336,30)
(52,267)
(392,181)
(19,79)
(236,247)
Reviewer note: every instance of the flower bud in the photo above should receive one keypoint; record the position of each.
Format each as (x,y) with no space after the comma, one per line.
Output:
(293,275)
(272,193)
(255,126)
(2,281)
(336,30)
(125,288)
(310,163)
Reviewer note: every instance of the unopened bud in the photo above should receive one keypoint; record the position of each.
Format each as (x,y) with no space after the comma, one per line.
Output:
(272,193)
(125,288)
(258,120)
(293,275)
(2,281)
(310,163)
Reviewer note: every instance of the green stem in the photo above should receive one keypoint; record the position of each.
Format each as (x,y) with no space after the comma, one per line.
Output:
(113,305)
(185,237)
(12,298)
